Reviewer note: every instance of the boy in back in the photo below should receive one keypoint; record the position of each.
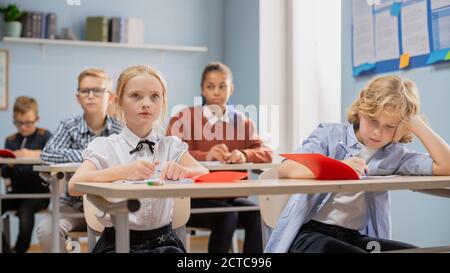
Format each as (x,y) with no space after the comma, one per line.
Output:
(27,142)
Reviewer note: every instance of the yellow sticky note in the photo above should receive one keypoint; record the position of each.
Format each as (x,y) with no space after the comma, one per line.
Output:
(404,60)
(448,56)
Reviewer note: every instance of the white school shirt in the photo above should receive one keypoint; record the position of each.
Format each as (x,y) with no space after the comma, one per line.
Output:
(347,210)
(394,158)
(107,152)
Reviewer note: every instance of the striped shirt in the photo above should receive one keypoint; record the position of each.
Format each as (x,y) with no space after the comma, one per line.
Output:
(71,138)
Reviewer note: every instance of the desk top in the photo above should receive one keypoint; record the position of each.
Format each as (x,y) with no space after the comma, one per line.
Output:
(53,168)
(217,166)
(210,165)
(21,161)
(262,187)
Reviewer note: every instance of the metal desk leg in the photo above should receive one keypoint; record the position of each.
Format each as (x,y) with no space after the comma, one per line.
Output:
(264,233)
(55,215)
(120,221)
(92,238)
(1,227)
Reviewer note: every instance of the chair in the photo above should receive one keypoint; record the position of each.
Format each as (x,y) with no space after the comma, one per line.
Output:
(235,241)
(192,231)
(180,216)
(271,206)
(5,219)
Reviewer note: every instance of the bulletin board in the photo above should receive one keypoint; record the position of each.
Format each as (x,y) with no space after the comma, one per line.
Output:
(394,35)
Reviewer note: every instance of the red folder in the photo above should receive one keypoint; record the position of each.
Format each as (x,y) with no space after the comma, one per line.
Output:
(220,177)
(7,153)
(324,167)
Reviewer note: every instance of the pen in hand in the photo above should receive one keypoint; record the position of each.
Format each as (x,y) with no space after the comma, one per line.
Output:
(347,150)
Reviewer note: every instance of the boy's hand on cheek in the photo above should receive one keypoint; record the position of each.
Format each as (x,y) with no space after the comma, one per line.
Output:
(401,131)
(406,127)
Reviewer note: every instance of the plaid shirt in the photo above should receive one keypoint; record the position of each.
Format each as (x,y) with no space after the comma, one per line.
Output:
(69,141)
(72,137)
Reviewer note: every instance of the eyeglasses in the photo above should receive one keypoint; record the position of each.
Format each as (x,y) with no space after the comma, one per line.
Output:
(97,91)
(24,123)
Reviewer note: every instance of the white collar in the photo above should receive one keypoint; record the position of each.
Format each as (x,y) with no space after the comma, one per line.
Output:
(209,114)
(133,139)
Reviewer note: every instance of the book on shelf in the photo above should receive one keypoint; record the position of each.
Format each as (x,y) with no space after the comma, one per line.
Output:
(97,29)
(134,30)
(50,25)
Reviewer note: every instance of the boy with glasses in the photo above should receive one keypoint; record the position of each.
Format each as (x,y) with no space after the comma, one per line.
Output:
(27,142)
(71,138)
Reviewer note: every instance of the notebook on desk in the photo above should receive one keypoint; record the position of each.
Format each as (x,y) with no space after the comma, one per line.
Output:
(222,176)
(324,167)
(6,153)
(214,177)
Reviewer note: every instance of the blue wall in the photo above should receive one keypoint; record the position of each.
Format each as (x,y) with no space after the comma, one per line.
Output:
(52,78)
(417,218)
(229,28)
(242,49)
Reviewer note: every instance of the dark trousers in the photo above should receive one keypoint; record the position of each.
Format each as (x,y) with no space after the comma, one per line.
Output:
(26,208)
(160,240)
(223,224)
(316,237)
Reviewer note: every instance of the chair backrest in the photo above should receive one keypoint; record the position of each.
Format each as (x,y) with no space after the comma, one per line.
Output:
(180,215)
(271,206)
(90,215)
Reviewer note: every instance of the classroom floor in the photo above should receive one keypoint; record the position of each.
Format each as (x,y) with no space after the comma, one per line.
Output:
(198,245)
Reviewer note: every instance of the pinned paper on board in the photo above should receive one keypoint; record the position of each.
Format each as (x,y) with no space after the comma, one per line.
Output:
(404,60)
(395,9)
(438,56)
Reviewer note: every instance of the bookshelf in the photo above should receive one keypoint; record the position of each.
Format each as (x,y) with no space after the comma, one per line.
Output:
(44,42)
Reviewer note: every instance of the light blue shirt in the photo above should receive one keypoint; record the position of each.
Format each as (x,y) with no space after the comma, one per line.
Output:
(394,158)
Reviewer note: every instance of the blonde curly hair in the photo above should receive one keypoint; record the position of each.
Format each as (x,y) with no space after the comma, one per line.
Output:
(392,94)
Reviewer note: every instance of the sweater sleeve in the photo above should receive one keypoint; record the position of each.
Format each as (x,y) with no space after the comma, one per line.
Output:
(255,149)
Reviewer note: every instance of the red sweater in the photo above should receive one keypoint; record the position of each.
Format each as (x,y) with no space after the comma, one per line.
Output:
(239,133)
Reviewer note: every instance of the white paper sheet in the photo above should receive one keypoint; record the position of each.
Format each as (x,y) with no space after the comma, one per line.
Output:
(363,33)
(415,36)
(437,4)
(440,10)
(379,177)
(387,45)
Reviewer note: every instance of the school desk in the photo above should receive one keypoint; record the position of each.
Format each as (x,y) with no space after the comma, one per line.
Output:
(99,193)
(57,175)
(19,161)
